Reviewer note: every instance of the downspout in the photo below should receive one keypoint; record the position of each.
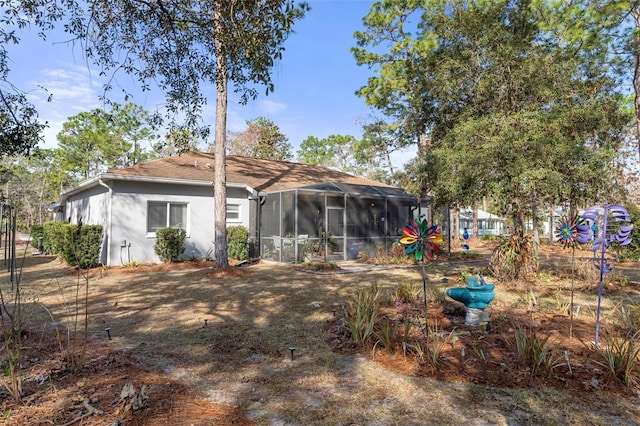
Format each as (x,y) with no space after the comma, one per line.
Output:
(345,244)
(107,226)
(260,202)
(296,249)
(325,230)
(386,224)
(257,222)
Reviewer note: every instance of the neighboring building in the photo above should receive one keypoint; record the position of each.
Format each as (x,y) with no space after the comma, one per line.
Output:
(286,207)
(546,225)
(488,223)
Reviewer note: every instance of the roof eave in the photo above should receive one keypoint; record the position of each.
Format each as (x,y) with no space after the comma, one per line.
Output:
(90,183)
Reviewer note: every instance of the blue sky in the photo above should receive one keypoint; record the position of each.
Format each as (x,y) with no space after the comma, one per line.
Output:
(315,82)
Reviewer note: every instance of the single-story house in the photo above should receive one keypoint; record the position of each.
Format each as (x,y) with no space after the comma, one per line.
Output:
(290,209)
(488,223)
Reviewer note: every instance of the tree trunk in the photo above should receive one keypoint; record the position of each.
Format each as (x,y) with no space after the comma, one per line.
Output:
(518,222)
(41,196)
(635,12)
(220,168)
(474,219)
(536,232)
(552,210)
(454,220)
(390,165)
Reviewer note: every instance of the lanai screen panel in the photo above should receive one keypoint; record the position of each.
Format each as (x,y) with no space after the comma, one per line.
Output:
(401,212)
(311,210)
(371,217)
(270,215)
(369,211)
(365,217)
(310,213)
(288,214)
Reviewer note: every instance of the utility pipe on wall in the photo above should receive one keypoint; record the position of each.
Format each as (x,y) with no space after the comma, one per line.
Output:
(107,226)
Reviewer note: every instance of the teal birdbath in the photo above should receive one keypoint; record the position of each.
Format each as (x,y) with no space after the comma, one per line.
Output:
(476,296)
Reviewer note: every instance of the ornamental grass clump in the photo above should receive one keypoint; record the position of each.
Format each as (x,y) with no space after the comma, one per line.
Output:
(406,292)
(626,314)
(362,314)
(386,334)
(620,358)
(537,352)
(436,345)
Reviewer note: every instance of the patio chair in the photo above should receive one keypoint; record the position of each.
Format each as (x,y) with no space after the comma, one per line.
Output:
(282,247)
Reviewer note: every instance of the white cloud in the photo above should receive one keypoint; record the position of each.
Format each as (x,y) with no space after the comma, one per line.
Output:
(75,86)
(61,74)
(271,107)
(72,91)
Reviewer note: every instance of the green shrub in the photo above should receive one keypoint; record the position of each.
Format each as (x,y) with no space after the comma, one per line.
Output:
(82,245)
(169,244)
(21,226)
(54,238)
(237,239)
(37,231)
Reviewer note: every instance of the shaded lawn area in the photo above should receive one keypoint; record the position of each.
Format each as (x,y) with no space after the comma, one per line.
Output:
(213,347)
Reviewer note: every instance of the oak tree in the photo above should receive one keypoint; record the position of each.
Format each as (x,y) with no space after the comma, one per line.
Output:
(261,139)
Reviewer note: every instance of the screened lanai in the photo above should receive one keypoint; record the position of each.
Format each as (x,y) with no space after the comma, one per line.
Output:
(334,221)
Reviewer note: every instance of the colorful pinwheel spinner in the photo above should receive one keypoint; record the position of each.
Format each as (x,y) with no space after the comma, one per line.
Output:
(572,230)
(421,238)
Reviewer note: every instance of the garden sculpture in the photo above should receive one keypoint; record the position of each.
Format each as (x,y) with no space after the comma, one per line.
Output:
(572,230)
(476,297)
(422,240)
(465,236)
(609,235)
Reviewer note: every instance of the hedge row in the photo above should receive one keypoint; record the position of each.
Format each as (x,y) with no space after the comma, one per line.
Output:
(37,231)
(78,245)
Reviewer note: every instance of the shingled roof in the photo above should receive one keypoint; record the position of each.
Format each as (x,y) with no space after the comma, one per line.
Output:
(261,175)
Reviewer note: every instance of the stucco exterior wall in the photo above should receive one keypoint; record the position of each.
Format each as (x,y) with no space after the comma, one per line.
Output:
(122,211)
(91,206)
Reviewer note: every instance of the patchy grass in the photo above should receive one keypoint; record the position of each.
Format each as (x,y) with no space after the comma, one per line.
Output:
(214,346)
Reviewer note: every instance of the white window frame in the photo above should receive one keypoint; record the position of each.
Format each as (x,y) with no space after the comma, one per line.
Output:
(168,206)
(239,213)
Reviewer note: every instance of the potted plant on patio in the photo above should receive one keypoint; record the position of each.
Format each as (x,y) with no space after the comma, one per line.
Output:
(307,250)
